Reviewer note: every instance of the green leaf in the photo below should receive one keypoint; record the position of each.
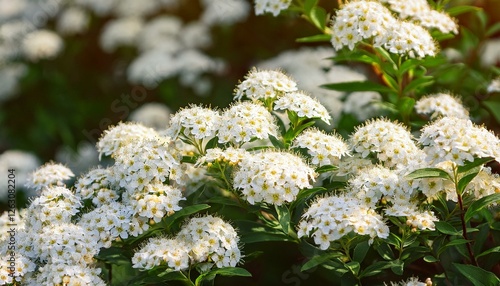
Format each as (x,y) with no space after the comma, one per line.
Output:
(357,86)
(405,105)
(306,194)
(358,56)
(491,250)
(309,5)
(428,173)
(326,168)
(252,232)
(385,251)
(495,28)
(184,212)
(314,38)
(494,108)
(360,251)
(480,204)
(226,271)
(393,239)
(476,275)
(455,11)
(276,142)
(418,83)
(318,17)
(157,275)
(446,228)
(113,255)
(464,181)
(375,268)
(409,64)
(319,259)
(283,217)
(398,267)
(354,267)
(430,259)
(476,163)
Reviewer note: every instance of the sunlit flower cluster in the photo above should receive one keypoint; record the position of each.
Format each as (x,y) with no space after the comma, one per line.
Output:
(272,177)
(264,84)
(390,142)
(373,23)
(245,121)
(201,239)
(304,105)
(194,122)
(324,149)
(50,174)
(119,135)
(441,104)
(330,218)
(458,140)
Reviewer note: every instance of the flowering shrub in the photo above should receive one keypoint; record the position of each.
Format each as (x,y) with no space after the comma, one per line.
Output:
(408,196)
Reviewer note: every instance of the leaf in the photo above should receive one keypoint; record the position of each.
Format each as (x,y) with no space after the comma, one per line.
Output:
(358,56)
(375,268)
(428,173)
(385,251)
(252,232)
(319,259)
(418,83)
(309,5)
(480,204)
(476,163)
(455,11)
(186,211)
(357,86)
(494,108)
(354,266)
(464,181)
(476,275)
(405,105)
(491,250)
(360,251)
(318,17)
(398,267)
(495,28)
(225,271)
(326,168)
(113,255)
(157,275)
(446,228)
(276,142)
(283,217)
(306,194)
(430,259)
(314,38)
(409,64)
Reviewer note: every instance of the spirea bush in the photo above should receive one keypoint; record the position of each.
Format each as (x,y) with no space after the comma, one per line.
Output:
(406,196)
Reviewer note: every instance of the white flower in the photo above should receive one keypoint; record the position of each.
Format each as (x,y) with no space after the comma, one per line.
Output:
(194,122)
(265,84)
(73,20)
(154,115)
(303,105)
(272,177)
(245,121)
(494,86)
(41,44)
(123,133)
(224,11)
(70,274)
(48,175)
(441,104)
(324,149)
(271,6)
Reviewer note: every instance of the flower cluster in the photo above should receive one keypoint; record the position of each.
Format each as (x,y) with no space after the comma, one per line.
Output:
(324,149)
(272,177)
(441,104)
(264,84)
(458,140)
(50,174)
(201,239)
(369,20)
(271,6)
(194,122)
(303,105)
(330,218)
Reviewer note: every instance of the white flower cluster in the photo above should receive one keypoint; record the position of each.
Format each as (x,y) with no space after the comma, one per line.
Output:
(390,142)
(312,68)
(201,239)
(330,218)
(272,177)
(324,149)
(264,84)
(154,115)
(271,6)
(245,121)
(303,105)
(458,140)
(412,281)
(194,122)
(420,11)
(50,174)
(121,134)
(494,86)
(42,44)
(369,20)
(441,104)
(24,163)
